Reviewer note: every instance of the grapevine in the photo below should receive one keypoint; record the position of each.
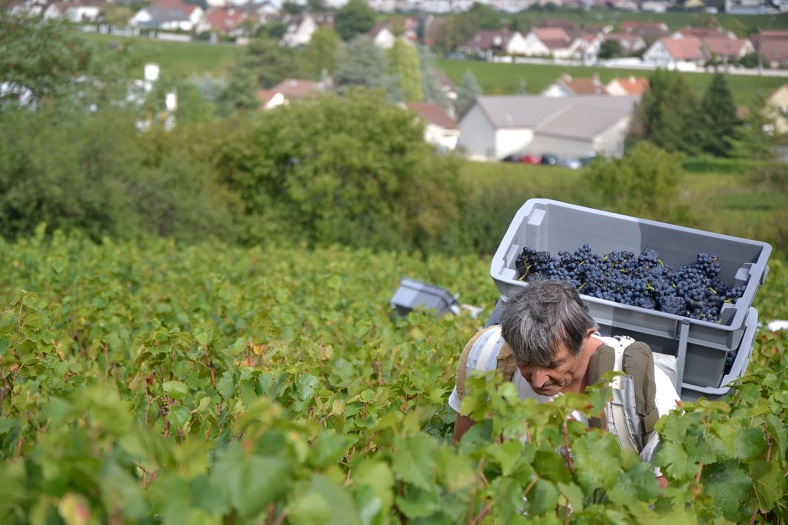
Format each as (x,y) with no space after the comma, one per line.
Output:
(693,290)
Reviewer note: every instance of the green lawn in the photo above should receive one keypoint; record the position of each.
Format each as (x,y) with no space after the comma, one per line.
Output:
(180,59)
(508,79)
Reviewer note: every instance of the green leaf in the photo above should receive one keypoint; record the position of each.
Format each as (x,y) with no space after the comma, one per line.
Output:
(377,475)
(543,498)
(178,416)
(596,459)
(251,483)
(573,494)
(728,485)
(328,449)
(770,484)
(324,502)
(414,461)
(175,389)
(305,386)
(749,443)
(417,503)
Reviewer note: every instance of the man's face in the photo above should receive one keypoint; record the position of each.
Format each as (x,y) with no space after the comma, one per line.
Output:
(565,373)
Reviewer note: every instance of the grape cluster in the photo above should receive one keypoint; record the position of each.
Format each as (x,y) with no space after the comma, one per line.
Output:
(693,290)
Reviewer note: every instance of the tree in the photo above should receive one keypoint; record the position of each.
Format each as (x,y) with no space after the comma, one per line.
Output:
(609,49)
(715,122)
(352,170)
(240,93)
(665,111)
(360,63)
(45,61)
(320,53)
(353,19)
(431,85)
(404,60)
(268,62)
(646,182)
(467,92)
(485,16)
(756,137)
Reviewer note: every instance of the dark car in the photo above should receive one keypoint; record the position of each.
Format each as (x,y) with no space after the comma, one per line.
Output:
(549,159)
(511,158)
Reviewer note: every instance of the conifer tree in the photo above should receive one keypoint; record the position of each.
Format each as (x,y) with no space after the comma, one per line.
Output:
(467,92)
(716,119)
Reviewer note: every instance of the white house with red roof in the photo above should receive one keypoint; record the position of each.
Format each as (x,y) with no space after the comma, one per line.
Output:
(291,89)
(555,41)
(567,86)
(439,128)
(171,15)
(486,43)
(227,20)
(689,52)
(628,86)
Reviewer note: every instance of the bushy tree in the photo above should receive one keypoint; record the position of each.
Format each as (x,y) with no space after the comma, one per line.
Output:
(609,49)
(360,63)
(353,19)
(756,138)
(404,62)
(646,182)
(267,62)
(47,61)
(94,172)
(353,170)
(319,55)
(467,92)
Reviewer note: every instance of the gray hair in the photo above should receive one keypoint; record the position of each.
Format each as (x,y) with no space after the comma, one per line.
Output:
(545,314)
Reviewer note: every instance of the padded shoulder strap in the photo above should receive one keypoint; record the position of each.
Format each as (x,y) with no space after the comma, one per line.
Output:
(639,363)
(482,346)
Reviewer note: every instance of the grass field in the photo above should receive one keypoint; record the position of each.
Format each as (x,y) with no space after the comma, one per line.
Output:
(508,79)
(179,59)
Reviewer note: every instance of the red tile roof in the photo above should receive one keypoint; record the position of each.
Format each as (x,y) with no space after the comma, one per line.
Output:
(433,114)
(584,86)
(633,85)
(689,48)
(225,18)
(725,47)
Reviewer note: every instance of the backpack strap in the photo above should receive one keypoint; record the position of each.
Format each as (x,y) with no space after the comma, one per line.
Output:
(481,349)
(631,413)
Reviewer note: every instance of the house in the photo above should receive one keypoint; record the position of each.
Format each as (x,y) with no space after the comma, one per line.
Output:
(262,12)
(566,86)
(486,43)
(383,36)
(629,43)
(557,41)
(773,45)
(778,100)
(299,28)
(629,86)
(171,15)
(440,129)
(291,89)
(585,46)
(227,20)
(676,53)
(496,126)
(727,48)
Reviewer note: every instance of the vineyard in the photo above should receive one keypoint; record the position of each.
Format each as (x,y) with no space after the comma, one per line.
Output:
(147,382)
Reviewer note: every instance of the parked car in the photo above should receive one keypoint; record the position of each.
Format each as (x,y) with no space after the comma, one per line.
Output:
(549,159)
(570,163)
(530,158)
(514,157)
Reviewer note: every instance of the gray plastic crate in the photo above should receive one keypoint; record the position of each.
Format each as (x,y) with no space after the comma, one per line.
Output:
(554,226)
(702,368)
(412,294)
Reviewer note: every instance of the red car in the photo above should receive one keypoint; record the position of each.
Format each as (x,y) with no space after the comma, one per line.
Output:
(531,159)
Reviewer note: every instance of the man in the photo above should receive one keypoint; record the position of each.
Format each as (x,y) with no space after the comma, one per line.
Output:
(552,338)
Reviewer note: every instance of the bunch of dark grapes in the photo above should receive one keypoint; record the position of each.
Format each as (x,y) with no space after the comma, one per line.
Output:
(693,290)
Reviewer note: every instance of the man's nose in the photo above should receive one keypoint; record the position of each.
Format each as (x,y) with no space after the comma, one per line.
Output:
(538,377)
